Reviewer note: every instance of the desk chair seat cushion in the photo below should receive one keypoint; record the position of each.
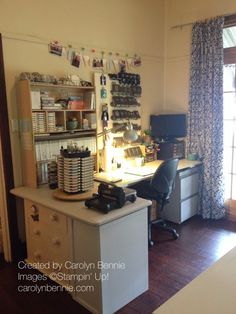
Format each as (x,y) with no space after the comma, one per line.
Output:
(145,190)
(160,187)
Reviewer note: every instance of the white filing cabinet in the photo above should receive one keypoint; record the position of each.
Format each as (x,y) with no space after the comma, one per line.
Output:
(184,199)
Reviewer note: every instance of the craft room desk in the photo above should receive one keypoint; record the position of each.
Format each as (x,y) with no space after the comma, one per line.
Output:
(126,177)
(184,199)
(66,234)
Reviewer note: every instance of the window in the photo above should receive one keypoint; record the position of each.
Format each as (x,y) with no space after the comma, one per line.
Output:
(229,38)
(230,130)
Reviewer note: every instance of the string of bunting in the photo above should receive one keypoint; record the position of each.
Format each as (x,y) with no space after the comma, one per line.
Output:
(106,61)
(87,57)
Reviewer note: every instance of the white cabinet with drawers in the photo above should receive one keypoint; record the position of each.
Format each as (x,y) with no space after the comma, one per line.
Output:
(106,263)
(184,199)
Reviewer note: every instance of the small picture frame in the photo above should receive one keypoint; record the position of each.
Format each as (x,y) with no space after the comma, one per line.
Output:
(122,65)
(137,62)
(55,48)
(97,63)
(75,60)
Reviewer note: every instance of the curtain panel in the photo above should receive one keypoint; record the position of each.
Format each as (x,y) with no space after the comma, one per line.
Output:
(205,123)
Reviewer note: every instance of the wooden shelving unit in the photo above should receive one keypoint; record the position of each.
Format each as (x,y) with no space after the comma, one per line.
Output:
(41,125)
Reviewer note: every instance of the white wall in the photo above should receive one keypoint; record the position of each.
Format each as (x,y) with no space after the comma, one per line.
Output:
(178,45)
(127,26)
(124,26)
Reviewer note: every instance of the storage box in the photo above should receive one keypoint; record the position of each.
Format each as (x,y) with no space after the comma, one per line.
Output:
(35,100)
(89,100)
(75,104)
(92,120)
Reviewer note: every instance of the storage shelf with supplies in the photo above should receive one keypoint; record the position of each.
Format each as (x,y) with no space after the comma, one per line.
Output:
(52,114)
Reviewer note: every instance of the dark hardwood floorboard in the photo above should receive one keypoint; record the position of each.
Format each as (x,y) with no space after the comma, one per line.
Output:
(172,265)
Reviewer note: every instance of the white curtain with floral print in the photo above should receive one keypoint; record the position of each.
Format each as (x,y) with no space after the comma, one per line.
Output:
(205,116)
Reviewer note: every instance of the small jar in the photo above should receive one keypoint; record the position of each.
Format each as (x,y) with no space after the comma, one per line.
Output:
(85,124)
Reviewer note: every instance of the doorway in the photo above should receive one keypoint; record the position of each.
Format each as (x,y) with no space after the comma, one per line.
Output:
(8,211)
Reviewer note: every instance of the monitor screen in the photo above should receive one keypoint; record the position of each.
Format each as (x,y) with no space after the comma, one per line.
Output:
(168,126)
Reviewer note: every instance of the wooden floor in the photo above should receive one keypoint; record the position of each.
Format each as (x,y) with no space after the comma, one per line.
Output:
(172,264)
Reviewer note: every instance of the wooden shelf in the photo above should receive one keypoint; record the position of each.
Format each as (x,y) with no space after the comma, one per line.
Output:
(64,135)
(63,110)
(42,84)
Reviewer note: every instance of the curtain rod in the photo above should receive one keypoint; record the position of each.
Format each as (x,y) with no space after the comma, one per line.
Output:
(182,25)
(191,23)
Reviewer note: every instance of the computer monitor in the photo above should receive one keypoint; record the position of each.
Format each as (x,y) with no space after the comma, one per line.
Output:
(168,126)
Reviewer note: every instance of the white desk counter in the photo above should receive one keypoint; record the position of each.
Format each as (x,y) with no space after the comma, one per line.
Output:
(66,233)
(136,174)
(212,292)
(184,199)
(76,209)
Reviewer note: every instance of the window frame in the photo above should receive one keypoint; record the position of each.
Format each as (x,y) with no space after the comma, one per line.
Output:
(230,58)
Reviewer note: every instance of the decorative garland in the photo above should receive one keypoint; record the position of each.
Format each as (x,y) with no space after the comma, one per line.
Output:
(113,62)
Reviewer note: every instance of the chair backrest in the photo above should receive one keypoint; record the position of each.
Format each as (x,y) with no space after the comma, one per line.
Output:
(164,177)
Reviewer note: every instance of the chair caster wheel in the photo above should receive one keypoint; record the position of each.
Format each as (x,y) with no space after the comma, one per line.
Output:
(175,235)
(150,243)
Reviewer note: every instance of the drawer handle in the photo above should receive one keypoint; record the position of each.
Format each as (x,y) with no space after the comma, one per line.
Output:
(35,217)
(37,232)
(35,213)
(54,217)
(56,241)
(37,255)
(34,209)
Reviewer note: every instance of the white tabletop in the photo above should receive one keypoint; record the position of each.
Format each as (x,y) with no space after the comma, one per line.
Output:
(212,292)
(125,177)
(77,209)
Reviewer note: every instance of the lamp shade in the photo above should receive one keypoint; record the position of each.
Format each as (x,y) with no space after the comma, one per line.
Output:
(130,135)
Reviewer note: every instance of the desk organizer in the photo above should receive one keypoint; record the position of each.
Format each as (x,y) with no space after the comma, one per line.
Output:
(75,171)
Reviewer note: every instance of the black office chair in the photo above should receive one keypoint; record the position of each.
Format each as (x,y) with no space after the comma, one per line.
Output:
(159,188)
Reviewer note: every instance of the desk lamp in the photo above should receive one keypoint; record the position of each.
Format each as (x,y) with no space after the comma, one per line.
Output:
(129,135)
